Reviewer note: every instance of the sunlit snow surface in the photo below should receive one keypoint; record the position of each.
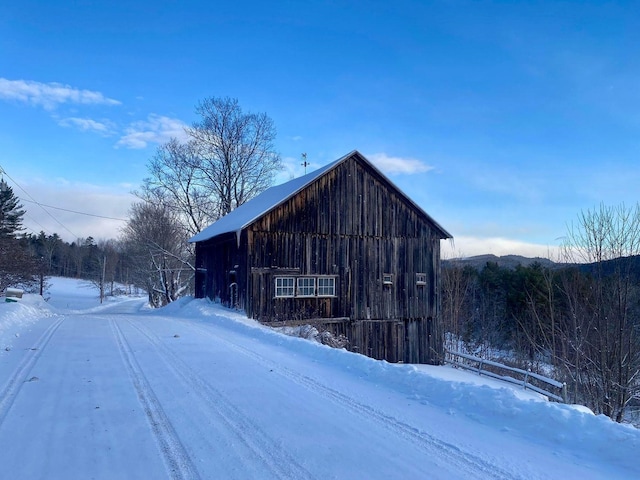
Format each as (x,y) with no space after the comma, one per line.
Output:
(118,391)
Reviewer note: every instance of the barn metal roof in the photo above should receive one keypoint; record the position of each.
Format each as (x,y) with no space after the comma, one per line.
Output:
(250,211)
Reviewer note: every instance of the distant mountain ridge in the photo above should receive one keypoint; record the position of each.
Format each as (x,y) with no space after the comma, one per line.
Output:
(504,261)
(628,264)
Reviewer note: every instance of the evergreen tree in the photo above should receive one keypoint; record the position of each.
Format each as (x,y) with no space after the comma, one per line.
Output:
(11,211)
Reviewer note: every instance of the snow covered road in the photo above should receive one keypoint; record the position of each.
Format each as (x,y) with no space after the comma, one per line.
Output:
(186,393)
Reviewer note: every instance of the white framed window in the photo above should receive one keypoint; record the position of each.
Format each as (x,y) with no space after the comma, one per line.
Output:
(299,286)
(421,279)
(285,286)
(326,287)
(387,279)
(306,287)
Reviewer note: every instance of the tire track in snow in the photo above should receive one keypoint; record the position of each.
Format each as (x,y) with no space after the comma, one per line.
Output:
(13,385)
(446,453)
(271,454)
(176,458)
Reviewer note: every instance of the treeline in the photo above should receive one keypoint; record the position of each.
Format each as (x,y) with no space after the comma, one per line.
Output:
(577,323)
(83,258)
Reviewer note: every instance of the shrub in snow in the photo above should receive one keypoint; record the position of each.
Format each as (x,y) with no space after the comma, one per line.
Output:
(310,332)
(328,338)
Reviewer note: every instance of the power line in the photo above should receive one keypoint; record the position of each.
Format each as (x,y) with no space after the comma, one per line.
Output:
(37,223)
(4,172)
(79,213)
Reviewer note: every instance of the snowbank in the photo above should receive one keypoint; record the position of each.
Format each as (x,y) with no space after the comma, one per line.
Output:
(458,393)
(15,317)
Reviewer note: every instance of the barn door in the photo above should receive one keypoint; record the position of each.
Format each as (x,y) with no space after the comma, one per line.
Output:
(233,289)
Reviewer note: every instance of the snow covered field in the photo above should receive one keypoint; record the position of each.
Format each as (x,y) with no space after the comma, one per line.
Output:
(117,391)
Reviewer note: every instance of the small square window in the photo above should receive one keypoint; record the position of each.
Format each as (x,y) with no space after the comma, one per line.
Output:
(326,287)
(284,286)
(387,279)
(421,279)
(306,287)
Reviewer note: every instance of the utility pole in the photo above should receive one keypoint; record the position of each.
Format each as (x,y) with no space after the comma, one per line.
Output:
(304,163)
(41,274)
(104,268)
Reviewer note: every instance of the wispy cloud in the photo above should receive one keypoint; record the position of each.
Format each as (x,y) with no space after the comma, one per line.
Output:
(104,127)
(156,129)
(50,95)
(398,165)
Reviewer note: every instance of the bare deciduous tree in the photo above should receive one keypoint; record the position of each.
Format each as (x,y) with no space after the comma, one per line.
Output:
(107,262)
(157,248)
(605,237)
(176,180)
(457,285)
(236,155)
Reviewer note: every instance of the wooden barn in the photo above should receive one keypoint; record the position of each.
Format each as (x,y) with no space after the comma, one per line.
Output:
(340,248)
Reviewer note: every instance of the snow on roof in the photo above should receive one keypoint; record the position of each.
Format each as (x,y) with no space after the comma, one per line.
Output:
(246,213)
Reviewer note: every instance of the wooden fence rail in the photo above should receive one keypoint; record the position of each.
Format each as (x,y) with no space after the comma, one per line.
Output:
(476,364)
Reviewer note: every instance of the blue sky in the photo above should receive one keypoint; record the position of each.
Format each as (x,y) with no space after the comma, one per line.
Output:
(503,120)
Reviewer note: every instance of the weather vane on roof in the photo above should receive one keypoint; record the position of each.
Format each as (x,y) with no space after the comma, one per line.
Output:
(304,163)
